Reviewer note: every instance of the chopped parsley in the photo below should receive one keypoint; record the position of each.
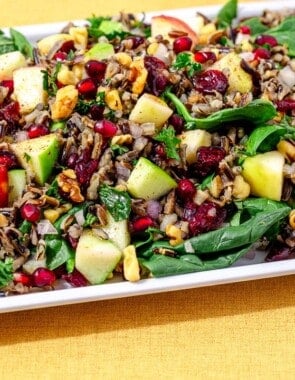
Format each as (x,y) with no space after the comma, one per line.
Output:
(170,141)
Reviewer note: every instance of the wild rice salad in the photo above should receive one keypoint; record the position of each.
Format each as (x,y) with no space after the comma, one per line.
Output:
(146,149)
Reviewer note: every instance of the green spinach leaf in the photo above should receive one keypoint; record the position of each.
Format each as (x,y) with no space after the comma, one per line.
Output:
(6,271)
(117,202)
(227,14)
(255,26)
(263,139)
(59,252)
(21,43)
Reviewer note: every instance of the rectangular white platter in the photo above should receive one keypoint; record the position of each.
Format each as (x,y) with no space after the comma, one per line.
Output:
(244,270)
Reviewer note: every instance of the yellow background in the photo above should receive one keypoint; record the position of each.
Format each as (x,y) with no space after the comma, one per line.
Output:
(236,331)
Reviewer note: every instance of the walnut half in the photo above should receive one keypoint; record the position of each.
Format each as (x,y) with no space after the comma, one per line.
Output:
(68,183)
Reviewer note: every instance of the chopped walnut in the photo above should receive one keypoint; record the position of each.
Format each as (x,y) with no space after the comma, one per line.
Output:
(68,183)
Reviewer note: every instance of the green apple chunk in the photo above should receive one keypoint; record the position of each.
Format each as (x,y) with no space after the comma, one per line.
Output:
(117,231)
(101,50)
(149,181)
(17,180)
(96,258)
(192,141)
(264,173)
(37,156)
(10,62)
(28,88)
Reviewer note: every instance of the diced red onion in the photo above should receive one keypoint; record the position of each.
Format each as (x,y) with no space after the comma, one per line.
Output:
(153,209)
(250,255)
(21,136)
(44,227)
(287,76)
(248,56)
(79,215)
(168,219)
(135,130)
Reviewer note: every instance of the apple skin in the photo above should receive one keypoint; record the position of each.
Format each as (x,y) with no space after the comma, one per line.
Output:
(264,174)
(37,156)
(149,181)
(117,231)
(96,258)
(164,25)
(17,180)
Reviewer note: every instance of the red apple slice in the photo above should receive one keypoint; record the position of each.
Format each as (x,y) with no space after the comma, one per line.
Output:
(167,26)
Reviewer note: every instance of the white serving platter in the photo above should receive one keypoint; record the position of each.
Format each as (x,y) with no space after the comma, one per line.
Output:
(243,270)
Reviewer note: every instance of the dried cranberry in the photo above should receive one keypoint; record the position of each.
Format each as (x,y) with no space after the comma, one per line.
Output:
(10,113)
(142,223)
(183,43)
(156,80)
(43,277)
(159,151)
(261,53)
(106,128)
(210,81)
(208,158)
(265,39)
(73,241)
(204,56)
(72,160)
(285,105)
(280,251)
(67,46)
(96,69)
(136,41)
(37,130)
(7,159)
(75,278)
(8,83)
(22,278)
(177,122)
(30,212)
(206,217)
(186,189)
(84,171)
(87,88)
(96,111)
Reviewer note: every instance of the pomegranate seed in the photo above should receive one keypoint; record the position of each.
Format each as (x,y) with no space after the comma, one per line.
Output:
(37,130)
(286,105)
(30,212)
(8,83)
(265,39)
(206,217)
(106,128)
(261,53)
(7,159)
(181,44)
(208,159)
(75,279)
(245,29)
(95,69)
(22,278)
(177,122)
(87,88)
(96,111)
(60,56)
(210,81)
(142,223)
(204,56)
(185,189)
(67,46)
(43,277)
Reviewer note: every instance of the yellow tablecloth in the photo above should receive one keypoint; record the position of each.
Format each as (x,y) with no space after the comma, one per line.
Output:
(236,331)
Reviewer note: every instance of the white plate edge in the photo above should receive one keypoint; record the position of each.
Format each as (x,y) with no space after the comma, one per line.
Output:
(165,284)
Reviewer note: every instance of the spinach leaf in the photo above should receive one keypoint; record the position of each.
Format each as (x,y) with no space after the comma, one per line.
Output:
(59,252)
(72,211)
(264,138)
(206,183)
(227,14)
(285,34)
(170,141)
(117,202)
(255,25)
(257,112)
(6,271)
(160,265)
(21,43)
(6,44)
